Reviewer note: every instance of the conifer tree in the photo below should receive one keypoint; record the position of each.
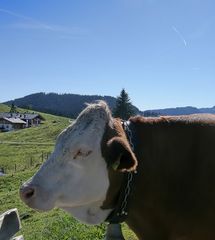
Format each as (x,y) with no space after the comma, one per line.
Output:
(13,108)
(123,108)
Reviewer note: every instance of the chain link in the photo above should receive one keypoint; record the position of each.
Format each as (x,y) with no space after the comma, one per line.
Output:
(127,193)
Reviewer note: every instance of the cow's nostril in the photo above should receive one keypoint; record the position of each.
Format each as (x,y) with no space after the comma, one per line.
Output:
(30,193)
(27,192)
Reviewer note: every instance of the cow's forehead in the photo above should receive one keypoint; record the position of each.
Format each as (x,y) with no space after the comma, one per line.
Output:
(92,119)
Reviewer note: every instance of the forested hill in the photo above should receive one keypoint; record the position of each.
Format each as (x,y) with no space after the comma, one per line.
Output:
(69,105)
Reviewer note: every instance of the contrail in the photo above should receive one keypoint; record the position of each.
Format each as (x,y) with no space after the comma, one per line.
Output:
(180,35)
(15,14)
(28,19)
(31,23)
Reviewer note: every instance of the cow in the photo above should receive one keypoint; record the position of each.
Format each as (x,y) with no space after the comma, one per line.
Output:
(155,174)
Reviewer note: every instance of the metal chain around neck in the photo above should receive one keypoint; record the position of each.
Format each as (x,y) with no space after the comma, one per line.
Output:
(119,214)
(130,175)
(123,210)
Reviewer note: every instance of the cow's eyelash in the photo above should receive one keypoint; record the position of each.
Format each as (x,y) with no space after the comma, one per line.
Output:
(80,153)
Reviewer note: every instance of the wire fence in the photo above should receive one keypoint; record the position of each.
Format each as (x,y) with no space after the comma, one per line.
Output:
(30,161)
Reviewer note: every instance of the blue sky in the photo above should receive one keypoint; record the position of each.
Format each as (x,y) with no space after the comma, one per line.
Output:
(161,52)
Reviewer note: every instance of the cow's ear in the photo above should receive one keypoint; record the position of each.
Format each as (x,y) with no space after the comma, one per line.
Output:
(120,155)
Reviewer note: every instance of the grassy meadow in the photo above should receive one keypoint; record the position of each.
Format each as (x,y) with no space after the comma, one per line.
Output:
(21,154)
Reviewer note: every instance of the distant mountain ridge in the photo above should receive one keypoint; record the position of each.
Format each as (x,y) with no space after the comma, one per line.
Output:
(179,111)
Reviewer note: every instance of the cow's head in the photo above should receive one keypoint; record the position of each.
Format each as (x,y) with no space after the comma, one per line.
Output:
(76,176)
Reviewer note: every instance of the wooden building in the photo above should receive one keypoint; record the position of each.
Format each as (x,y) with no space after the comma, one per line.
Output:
(9,124)
(14,121)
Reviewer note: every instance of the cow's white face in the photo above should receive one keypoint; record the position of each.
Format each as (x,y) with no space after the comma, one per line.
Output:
(75,177)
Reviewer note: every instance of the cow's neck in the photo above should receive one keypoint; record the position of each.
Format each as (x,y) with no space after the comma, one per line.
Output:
(121,184)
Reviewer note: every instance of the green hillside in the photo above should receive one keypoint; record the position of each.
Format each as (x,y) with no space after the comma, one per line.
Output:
(30,146)
(21,154)
(4,108)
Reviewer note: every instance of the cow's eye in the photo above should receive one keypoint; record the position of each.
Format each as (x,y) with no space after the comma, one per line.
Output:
(81,153)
